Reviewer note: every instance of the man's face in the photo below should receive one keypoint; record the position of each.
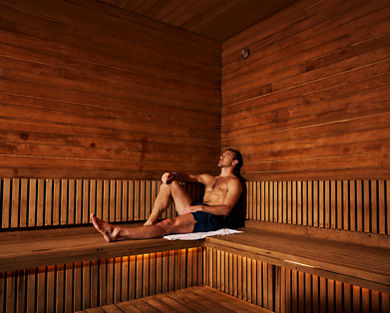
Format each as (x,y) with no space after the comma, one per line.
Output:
(226,159)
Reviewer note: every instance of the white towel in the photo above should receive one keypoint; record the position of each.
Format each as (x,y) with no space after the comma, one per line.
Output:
(201,235)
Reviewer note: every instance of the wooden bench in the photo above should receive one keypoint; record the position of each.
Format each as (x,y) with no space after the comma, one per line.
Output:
(73,268)
(36,248)
(358,258)
(305,249)
(55,265)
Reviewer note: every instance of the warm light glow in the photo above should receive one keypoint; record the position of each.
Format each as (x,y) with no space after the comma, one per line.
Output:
(302,264)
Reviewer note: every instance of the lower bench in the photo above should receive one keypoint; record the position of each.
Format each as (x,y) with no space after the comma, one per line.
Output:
(361,260)
(70,269)
(35,248)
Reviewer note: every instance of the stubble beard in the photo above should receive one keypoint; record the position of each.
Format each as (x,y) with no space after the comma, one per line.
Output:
(224,165)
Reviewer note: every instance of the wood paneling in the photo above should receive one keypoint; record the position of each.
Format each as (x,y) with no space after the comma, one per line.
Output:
(217,19)
(78,286)
(312,99)
(283,289)
(352,205)
(29,203)
(88,90)
(358,262)
(242,277)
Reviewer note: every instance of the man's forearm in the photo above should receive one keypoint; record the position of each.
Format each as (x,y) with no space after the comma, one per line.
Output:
(219,209)
(169,177)
(185,177)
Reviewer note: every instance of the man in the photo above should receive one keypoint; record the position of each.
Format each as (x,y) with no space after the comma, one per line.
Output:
(222,192)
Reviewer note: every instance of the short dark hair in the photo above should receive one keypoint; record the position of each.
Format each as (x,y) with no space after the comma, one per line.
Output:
(239,159)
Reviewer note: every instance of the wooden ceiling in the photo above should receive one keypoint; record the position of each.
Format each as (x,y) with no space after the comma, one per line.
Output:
(215,19)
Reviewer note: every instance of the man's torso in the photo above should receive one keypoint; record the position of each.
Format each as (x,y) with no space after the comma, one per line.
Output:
(216,190)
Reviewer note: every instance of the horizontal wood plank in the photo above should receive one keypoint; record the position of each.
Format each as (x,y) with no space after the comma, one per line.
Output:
(314,72)
(180,301)
(127,93)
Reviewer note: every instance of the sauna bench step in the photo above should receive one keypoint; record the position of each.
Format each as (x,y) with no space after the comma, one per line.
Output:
(36,248)
(350,262)
(193,299)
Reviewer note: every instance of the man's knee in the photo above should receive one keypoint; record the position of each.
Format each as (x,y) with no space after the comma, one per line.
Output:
(168,225)
(168,222)
(171,185)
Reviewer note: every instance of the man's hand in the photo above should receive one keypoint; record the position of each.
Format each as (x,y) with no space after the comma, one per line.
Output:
(168,177)
(192,208)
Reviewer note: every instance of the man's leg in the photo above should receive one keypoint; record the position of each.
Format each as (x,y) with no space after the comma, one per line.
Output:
(177,225)
(167,191)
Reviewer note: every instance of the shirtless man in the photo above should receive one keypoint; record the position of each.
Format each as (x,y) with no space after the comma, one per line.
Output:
(221,194)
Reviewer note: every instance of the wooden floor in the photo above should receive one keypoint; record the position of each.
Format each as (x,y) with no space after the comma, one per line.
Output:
(195,299)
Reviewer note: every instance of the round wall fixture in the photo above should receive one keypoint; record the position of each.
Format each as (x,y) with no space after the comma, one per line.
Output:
(245,53)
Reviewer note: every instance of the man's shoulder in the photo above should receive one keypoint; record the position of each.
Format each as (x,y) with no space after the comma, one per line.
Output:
(232,181)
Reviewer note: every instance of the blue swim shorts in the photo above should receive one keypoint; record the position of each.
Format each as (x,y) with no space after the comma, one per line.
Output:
(207,222)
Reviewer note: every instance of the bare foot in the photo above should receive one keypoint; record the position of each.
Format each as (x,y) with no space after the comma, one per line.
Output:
(109,231)
(148,223)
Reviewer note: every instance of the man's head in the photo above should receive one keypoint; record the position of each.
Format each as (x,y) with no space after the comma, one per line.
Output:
(231,158)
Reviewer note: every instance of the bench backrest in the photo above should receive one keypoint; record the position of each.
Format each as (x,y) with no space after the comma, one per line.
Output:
(352,205)
(31,202)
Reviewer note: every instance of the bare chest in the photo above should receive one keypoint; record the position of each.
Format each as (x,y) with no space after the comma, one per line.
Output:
(217,185)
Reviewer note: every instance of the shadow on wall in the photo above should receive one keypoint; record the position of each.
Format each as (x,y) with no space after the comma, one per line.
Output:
(237,217)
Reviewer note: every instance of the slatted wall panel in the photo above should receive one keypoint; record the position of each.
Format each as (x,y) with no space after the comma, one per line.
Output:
(287,290)
(78,286)
(299,292)
(242,277)
(357,205)
(53,202)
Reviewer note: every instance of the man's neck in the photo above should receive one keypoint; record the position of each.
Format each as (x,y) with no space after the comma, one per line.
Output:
(227,171)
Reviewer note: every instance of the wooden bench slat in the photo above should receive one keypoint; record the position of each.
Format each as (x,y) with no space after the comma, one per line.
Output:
(273,243)
(328,258)
(29,249)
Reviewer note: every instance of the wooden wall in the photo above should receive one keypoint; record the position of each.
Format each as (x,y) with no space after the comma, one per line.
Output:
(312,100)
(91,91)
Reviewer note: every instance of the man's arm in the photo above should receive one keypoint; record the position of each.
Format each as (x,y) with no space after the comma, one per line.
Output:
(233,194)
(168,177)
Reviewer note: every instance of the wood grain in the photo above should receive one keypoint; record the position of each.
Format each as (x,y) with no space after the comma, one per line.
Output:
(74,286)
(128,96)
(217,20)
(345,261)
(350,205)
(311,101)
(27,203)
(298,291)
